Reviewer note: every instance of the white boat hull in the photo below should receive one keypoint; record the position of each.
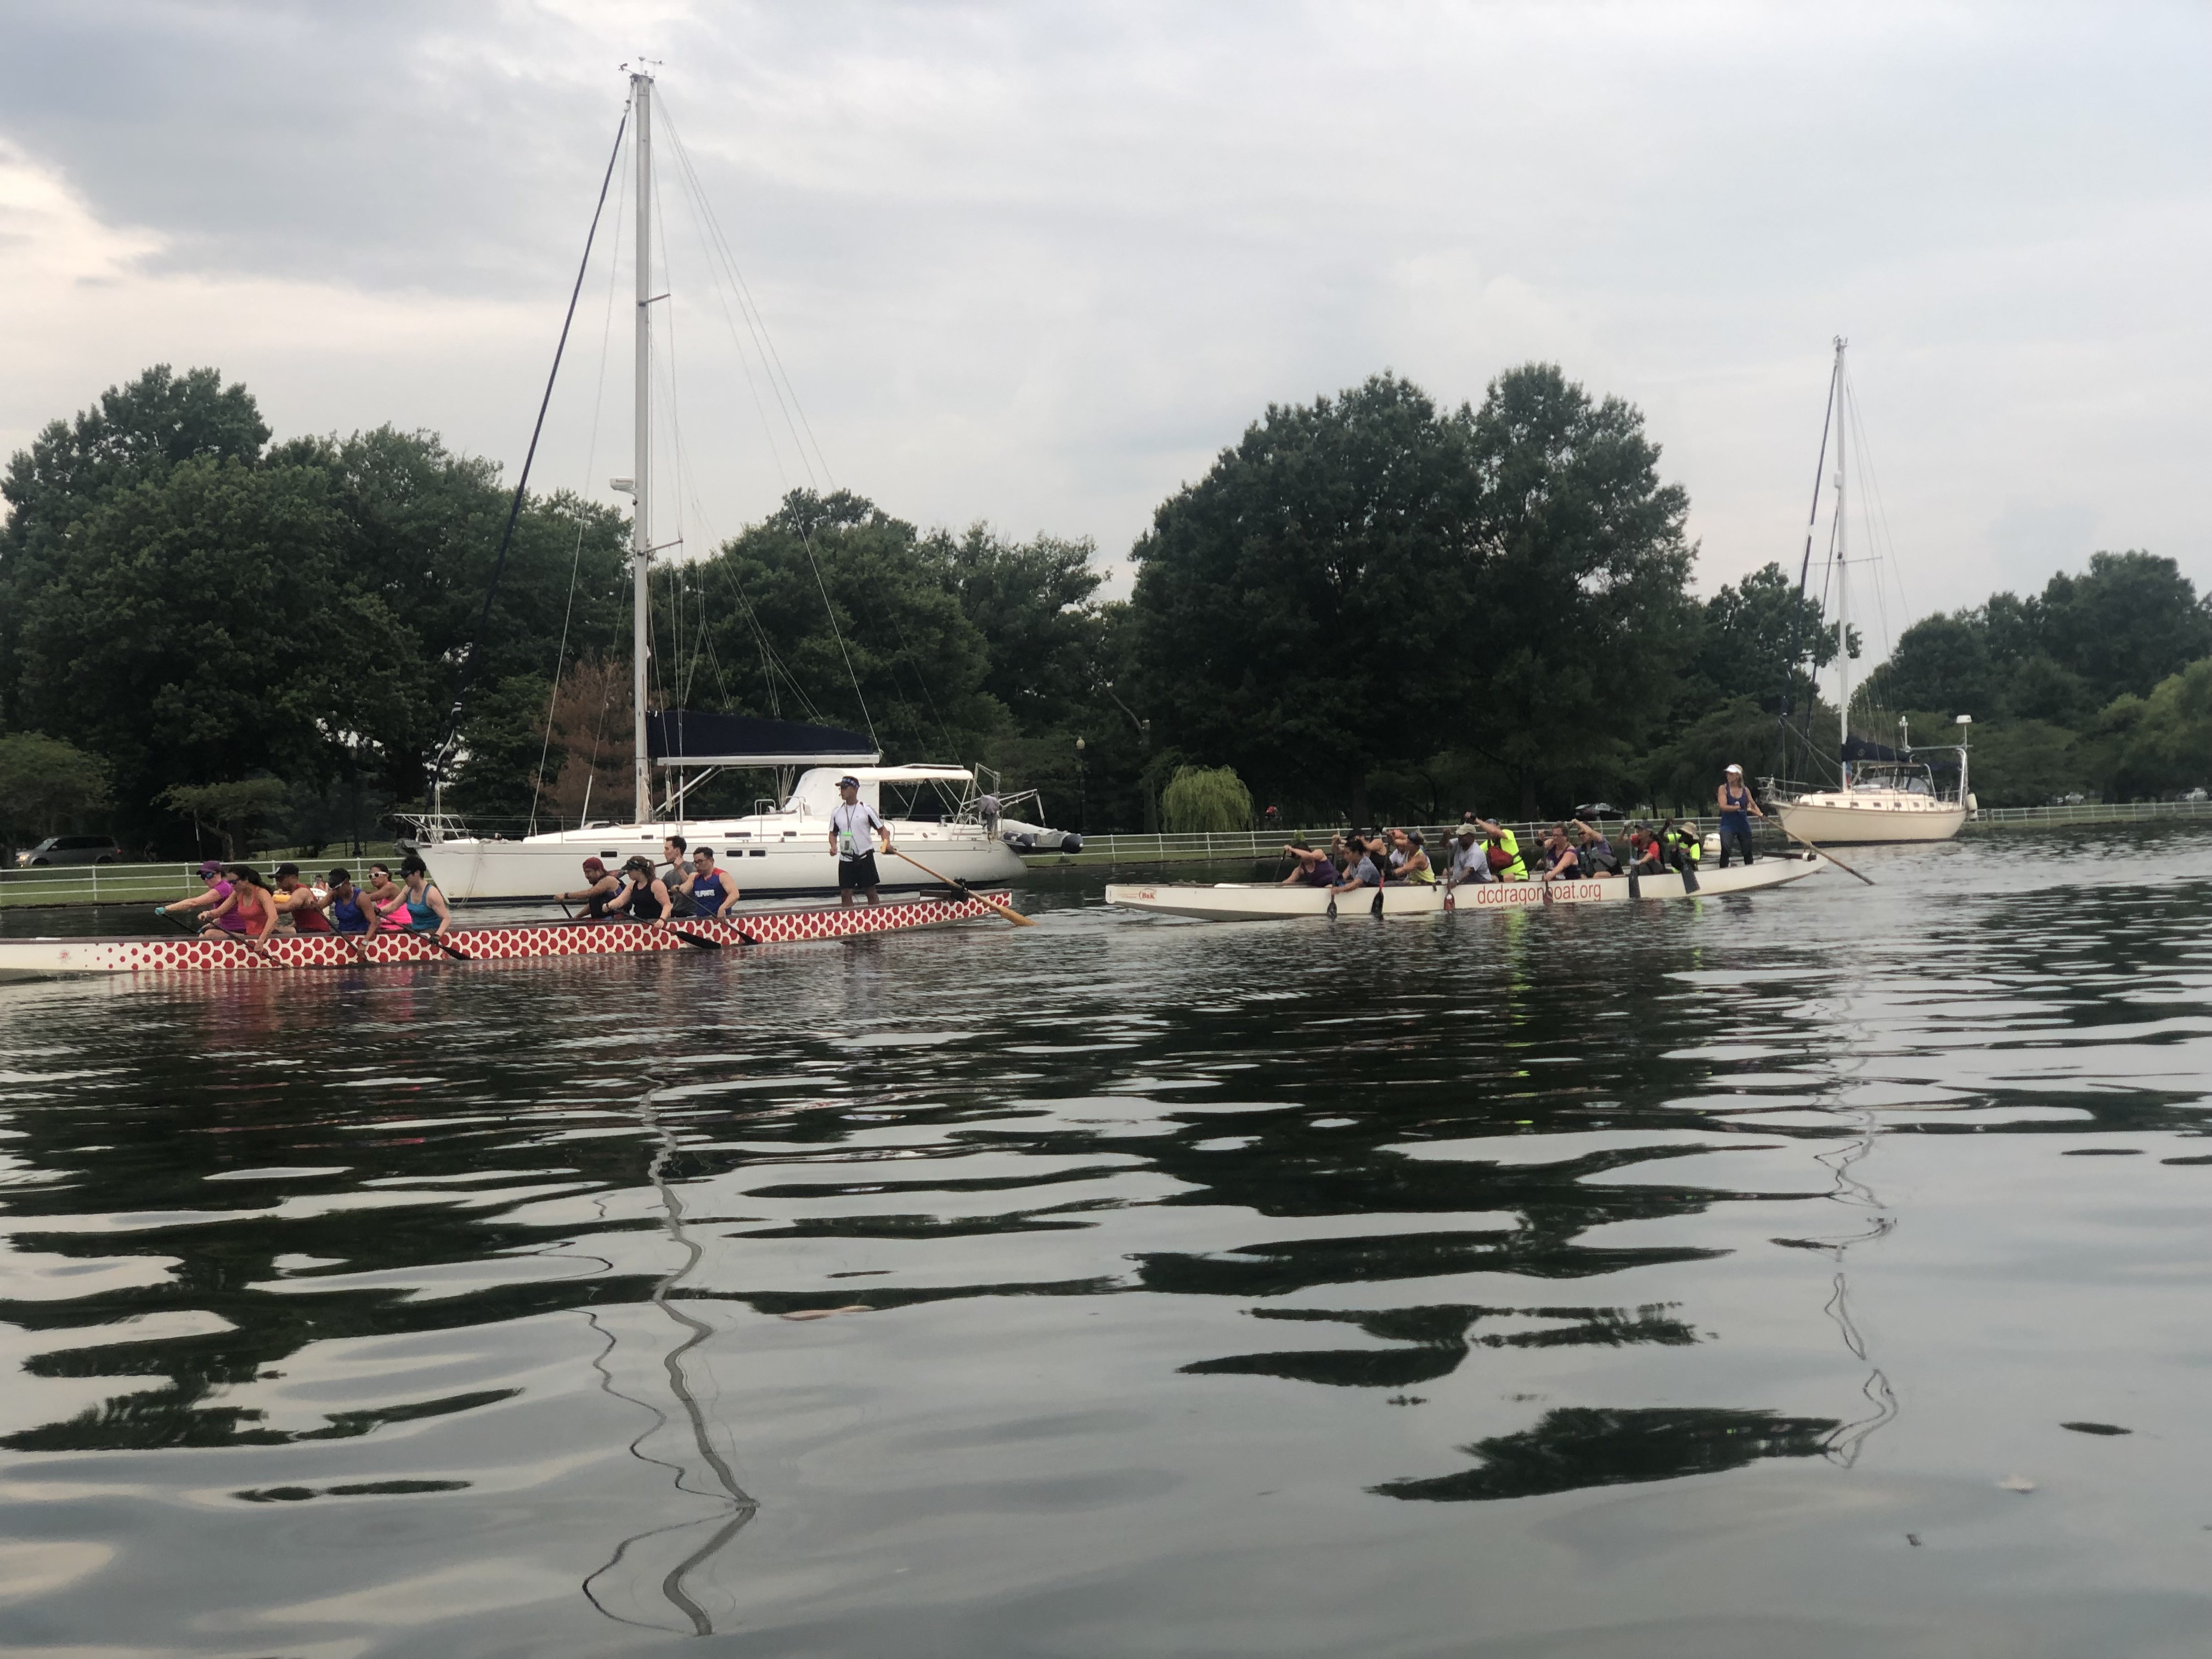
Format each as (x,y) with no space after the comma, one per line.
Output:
(1866,818)
(1232,901)
(773,859)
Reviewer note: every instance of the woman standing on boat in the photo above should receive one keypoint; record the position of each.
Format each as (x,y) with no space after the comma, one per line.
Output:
(425,905)
(1738,807)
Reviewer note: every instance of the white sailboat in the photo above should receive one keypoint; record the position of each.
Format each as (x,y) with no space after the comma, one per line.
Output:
(1883,792)
(782,846)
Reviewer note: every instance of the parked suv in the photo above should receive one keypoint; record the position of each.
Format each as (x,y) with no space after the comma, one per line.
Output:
(71,849)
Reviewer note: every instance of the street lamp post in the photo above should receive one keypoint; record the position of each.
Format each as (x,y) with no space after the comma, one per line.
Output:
(1082,805)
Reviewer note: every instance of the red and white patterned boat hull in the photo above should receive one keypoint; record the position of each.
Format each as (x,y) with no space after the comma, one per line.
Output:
(43,957)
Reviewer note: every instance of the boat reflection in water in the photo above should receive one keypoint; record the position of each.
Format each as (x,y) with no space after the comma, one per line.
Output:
(654,1578)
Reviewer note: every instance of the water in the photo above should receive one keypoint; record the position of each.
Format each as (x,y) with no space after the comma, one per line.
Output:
(1819,1272)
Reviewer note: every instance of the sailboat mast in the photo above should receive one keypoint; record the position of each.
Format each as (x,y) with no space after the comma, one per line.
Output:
(1843,582)
(640,530)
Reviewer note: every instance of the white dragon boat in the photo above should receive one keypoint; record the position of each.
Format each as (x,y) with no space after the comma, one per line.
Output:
(47,958)
(1248,901)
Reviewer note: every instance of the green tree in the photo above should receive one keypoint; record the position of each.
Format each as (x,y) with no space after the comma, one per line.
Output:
(1580,620)
(1034,603)
(829,610)
(199,625)
(239,811)
(1296,608)
(135,432)
(2128,623)
(1760,636)
(46,785)
(1201,798)
(2169,746)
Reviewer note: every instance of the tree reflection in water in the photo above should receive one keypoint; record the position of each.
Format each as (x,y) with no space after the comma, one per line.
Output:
(1578,1446)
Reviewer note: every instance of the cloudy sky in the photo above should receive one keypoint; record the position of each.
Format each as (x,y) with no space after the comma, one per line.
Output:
(1036,264)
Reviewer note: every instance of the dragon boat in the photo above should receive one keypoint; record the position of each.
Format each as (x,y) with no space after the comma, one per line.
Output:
(44,958)
(1246,901)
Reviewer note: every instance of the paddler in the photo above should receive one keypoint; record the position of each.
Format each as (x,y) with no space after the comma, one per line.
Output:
(213,891)
(250,902)
(707,885)
(348,908)
(1646,856)
(1361,871)
(1682,844)
(853,825)
(598,891)
(426,905)
(1310,868)
(675,866)
(302,905)
(1503,850)
(1469,861)
(1409,859)
(643,895)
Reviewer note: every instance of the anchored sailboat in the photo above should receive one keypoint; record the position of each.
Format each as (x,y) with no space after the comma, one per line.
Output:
(948,814)
(1884,792)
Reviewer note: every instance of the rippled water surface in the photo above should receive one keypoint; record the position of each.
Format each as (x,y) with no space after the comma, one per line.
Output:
(1819,1272)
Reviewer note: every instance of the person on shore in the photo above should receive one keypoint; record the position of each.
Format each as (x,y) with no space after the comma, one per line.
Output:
(213,889)
(1469,862)
(675,866)
(597,891)
(1738,808)
(347,908)
(424,904)
(387,901)
(1309,868)
(642,895)
(302,904)
(707,885)
(1409,855)
(1502,847)
(853,826)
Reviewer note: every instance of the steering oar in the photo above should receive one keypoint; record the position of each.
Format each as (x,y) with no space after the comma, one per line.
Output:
(961,888)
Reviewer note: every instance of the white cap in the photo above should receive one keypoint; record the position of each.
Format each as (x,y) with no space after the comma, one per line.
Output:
(1736,769)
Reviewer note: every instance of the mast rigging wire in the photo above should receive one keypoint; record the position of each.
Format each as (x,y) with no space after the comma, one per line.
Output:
(522,483)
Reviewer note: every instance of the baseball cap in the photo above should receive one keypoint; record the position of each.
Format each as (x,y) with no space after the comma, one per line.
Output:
(591,865)
(848,781)
(211,867)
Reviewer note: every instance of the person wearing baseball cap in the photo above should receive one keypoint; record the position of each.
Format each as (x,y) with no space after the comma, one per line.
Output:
(213,889)
(593,898)
(853,826)
(1738,808)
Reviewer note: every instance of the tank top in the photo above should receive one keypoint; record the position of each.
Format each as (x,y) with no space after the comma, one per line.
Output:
(348,915)
(1733,815)
(421,918)
(708,891)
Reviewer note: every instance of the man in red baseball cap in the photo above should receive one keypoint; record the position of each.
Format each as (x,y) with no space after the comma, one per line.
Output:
(594,897)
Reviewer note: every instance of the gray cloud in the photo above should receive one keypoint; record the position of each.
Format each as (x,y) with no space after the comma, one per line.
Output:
(1038,263)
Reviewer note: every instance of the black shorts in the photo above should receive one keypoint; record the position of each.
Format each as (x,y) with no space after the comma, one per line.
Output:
(857,873)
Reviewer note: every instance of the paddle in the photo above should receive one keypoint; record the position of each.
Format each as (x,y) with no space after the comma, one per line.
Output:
(961,887)
(1831,857)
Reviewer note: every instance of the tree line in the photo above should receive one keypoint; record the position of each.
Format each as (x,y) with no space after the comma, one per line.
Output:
(1369,606)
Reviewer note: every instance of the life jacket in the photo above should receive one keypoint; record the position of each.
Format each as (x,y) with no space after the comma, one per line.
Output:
(1504,857)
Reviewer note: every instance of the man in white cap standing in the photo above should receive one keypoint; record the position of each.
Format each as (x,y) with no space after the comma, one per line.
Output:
(1738,808)
(853,825)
